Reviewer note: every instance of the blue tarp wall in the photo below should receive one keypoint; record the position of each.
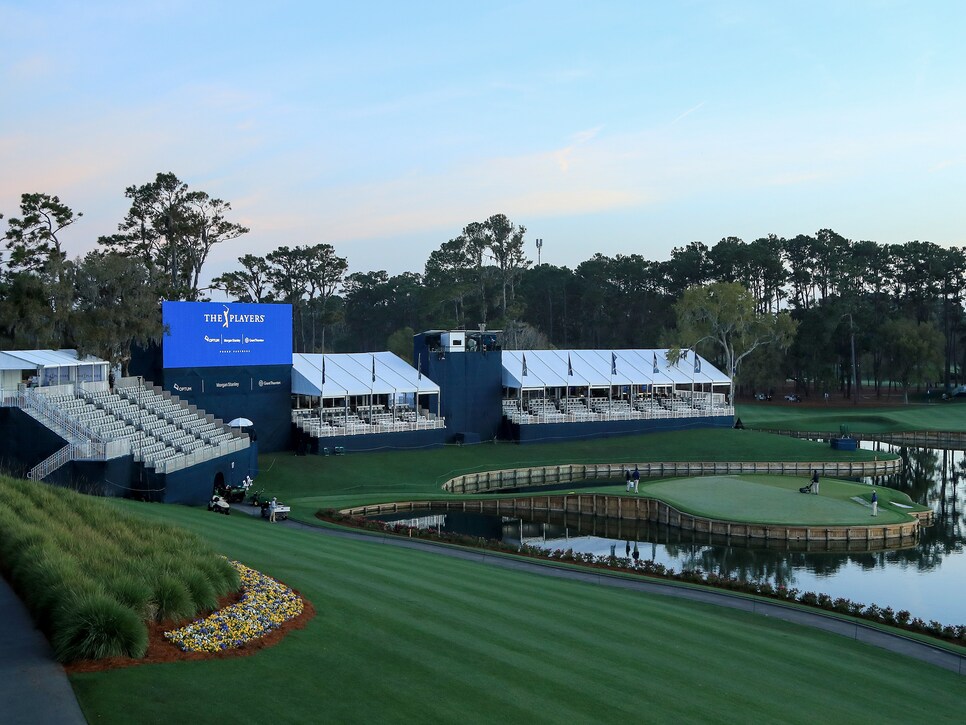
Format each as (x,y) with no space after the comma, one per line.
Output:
(471,389)
(263,394)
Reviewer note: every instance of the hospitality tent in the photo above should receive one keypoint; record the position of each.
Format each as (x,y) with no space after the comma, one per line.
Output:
(49,367)
(644,370)
(354,378)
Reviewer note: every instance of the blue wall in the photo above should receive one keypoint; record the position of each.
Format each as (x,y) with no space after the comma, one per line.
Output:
(471,389)
(263,394)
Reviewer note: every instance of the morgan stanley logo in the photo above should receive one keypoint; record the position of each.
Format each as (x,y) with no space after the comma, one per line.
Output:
(227,317)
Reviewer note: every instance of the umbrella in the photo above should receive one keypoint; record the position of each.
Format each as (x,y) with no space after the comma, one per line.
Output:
(240,423)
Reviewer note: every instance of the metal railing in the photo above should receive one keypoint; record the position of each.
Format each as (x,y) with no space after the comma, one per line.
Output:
(51,463)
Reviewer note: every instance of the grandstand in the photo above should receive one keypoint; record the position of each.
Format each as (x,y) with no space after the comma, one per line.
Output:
(363,401)
(63,423)
(581,386)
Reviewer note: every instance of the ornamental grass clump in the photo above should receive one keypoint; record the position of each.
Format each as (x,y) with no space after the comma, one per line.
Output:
(93,576)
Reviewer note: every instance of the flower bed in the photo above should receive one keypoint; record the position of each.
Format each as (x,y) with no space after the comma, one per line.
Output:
(265,605)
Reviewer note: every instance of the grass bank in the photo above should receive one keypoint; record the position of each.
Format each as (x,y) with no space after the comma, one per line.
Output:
(92,575)
(405,636)
(309,483)
(949,416)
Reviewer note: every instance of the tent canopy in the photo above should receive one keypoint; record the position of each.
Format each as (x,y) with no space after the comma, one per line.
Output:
(351,374)
(596,369)
(33,359)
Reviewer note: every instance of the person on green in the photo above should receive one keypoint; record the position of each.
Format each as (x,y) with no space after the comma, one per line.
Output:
(815,481)
(875,504)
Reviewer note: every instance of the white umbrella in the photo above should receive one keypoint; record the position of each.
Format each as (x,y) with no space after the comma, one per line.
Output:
(240,423)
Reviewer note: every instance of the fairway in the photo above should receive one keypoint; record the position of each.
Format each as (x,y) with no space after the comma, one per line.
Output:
(408,636)
(308,483)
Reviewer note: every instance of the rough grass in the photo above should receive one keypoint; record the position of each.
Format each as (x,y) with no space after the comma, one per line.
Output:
(406,636)
(91,575)
(934,417)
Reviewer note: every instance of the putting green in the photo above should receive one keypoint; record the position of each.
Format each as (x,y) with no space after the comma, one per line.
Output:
(777,500)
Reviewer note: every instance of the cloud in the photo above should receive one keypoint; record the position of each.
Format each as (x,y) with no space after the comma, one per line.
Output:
(686,113)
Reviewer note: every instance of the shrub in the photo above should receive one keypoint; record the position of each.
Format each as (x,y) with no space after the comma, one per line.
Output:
(94,626)
(172,599)
(201,590)
(134,593)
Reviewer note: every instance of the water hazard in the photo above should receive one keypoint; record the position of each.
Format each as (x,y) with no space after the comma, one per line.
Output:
(928,579)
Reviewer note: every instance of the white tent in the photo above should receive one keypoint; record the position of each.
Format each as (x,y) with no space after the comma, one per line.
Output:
(49,367)
(606,368)
(357,374)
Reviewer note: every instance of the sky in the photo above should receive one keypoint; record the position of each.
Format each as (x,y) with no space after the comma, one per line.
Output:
(384,128)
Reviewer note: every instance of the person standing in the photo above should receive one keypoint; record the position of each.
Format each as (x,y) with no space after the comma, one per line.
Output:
(627,479)
(875,504)
(815,481)
(636,478)
(271,510)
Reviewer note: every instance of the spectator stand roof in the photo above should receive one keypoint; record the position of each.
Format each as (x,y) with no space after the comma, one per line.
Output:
(34,359)
(357,373)
(596,369)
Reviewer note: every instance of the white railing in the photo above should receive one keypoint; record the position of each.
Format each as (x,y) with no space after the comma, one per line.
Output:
(543,412)
(61,423)
(51,463)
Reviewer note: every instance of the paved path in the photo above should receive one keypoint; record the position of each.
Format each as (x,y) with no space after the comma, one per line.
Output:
(894,642)
(33,686)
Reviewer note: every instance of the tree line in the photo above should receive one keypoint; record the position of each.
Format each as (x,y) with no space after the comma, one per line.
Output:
(839,312)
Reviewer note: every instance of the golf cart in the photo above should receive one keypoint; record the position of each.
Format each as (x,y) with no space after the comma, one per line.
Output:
(219,505)
(281,510)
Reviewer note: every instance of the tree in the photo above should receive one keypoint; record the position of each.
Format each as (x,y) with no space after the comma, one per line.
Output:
(448,277)
(250,284)
(915,352)
(723,316)
(307,277)
(401,343)
(35,249)
(173,229)
(118,306)
(505,246)
(32,238)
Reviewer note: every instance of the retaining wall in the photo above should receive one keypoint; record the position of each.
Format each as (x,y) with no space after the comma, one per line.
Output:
(491,481)
(642,508)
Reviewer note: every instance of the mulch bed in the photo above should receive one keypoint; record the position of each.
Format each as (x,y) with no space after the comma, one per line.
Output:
(160,650)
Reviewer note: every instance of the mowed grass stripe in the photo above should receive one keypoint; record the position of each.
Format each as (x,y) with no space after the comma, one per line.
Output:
(397,639)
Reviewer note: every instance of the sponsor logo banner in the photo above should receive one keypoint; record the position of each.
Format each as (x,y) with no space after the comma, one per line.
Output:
(222,334)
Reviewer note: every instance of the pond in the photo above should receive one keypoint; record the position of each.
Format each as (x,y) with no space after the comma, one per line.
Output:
(927,579)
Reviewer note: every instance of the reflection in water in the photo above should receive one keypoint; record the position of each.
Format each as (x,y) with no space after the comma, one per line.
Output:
(927,579)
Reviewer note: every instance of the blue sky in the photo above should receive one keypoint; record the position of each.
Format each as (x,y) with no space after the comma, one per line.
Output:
(384,128)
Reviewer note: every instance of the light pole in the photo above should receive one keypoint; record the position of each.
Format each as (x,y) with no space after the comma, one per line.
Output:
(539,249)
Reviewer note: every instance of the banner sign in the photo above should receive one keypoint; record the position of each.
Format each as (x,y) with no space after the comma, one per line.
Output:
(226,334)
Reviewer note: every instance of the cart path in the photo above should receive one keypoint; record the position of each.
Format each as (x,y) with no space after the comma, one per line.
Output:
(33,686)
(892,641)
